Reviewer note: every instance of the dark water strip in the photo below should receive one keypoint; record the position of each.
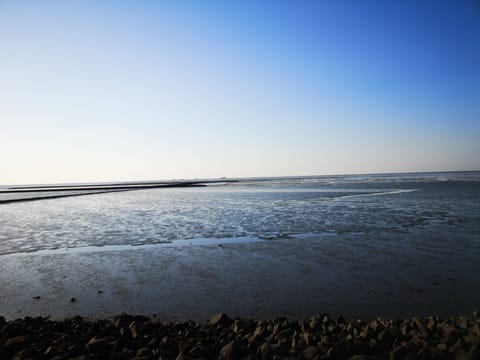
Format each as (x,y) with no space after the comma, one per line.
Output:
(106,187)
(88,191)
(9,201)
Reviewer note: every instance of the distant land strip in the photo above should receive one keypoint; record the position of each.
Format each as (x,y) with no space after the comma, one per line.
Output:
(96,189)
(47,197)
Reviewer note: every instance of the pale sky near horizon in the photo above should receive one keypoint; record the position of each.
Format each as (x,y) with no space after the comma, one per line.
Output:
(143,90)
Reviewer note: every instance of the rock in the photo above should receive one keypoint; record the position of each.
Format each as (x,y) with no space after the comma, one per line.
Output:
(452,335)
(145,353)
(259,331)
(474,352)
(324,345)
(186,345)
(201,352)
(153,343)
(310,352)
(421,328)
(73,300)
(140,319)
(220,319)
(237,326)
(442,347)
(180,356)
(462,323)
(134,329)
(229,351)
(457,347)
(98,345)
(266,352)
(12,345)
(398,353)
(285,334)
(431,323)
(338,350)
(341,320)
(385,339)
(122,320)
(127,337)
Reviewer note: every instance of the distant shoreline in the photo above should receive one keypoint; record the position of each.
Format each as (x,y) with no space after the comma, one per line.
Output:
(223,179)
(90,189)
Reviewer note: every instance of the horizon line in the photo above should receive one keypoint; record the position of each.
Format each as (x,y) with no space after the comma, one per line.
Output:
(215,179)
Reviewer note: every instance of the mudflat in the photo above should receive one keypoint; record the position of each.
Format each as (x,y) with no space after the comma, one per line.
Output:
(248,279)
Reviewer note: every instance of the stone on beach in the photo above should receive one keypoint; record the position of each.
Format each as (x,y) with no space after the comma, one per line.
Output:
(321,337)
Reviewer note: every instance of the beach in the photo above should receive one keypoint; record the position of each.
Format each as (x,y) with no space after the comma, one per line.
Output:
(182,281)
(355,249)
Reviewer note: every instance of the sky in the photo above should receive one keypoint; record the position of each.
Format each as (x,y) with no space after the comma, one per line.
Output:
(146,90)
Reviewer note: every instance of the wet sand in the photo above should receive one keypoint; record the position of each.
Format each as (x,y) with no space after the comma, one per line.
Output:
(295,278)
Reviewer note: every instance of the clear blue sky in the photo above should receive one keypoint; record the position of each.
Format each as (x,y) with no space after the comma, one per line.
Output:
(133,90)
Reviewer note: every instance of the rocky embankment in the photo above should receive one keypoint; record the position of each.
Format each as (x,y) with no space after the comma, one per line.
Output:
(321,337)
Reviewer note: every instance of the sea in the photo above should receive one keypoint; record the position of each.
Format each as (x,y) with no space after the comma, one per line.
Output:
(429,211)
(359,245)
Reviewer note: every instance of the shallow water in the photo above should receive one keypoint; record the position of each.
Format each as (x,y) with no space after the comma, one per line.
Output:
(393,207)
(358,245)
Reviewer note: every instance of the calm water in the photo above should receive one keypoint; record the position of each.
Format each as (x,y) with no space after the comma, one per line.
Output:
(436,212)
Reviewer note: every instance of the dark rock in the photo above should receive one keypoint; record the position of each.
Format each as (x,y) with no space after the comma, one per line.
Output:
(134,330)
(300,345)
(12,345)
(122,320)
(220,319)
(431,323)
(266,352)
(229,351)
(385,339)
(140,319)
(201,352)
(285,334)
(127,337)
(145,353)
(310,352)
(324,345)
(462,323)
(181,357)
(237,326)
(338,350)
(99,345)
(452,334)
(73,299)
(186,345)
(398,353)
(457,349)
(341,320)
(474,352)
